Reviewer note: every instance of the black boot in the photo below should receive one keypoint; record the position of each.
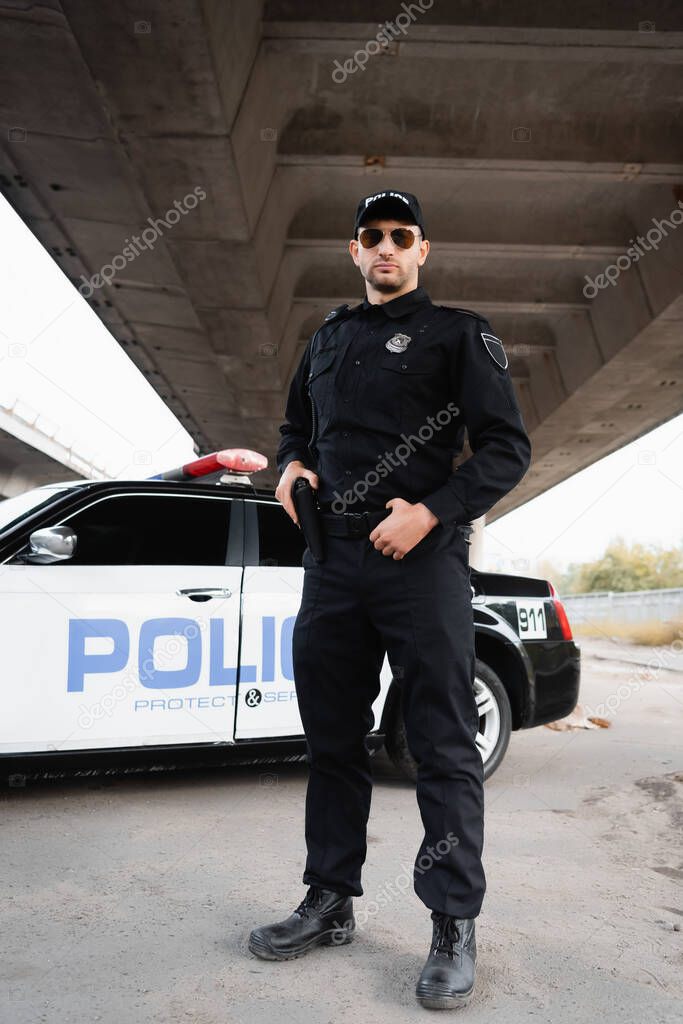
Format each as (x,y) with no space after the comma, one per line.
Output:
(447,978)
(323,918)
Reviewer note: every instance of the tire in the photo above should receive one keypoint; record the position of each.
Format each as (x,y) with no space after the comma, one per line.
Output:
(495,725)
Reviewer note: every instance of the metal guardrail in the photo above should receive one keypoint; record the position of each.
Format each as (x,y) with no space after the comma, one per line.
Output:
(663,605)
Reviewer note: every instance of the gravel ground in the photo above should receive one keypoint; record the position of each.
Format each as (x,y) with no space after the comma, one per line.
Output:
(131,900)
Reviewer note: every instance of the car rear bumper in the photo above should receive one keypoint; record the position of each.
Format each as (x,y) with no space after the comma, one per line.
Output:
(556,676)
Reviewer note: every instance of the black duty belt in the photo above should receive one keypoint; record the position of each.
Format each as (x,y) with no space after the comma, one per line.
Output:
(352,524)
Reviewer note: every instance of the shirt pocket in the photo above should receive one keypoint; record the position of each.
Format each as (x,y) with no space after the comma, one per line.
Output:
(413,384)
(321,362)
(401,362)
(319,386)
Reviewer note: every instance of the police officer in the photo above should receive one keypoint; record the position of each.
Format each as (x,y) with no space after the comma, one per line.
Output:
(376,410)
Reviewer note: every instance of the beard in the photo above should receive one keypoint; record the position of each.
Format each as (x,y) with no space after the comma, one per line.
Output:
(380,283)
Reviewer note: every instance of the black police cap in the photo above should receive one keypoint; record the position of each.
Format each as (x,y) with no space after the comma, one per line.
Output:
(390,203)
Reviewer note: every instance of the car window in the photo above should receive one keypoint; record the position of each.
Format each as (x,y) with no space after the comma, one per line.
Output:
(13,509)
(281,542)
(151,529)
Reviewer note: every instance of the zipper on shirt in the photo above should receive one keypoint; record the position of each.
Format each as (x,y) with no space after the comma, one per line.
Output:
(314,419)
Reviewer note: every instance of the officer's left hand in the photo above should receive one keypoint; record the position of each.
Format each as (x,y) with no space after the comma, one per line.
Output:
(403,529)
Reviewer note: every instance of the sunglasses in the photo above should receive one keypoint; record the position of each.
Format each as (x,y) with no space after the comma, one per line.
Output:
(402,237)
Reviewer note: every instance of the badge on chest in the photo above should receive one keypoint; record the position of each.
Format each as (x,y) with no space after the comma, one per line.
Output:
(399,343)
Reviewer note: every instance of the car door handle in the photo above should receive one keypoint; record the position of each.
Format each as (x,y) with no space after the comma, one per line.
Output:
(204,593)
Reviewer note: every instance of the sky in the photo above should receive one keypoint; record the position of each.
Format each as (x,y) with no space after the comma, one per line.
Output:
(636,494)
(59,363)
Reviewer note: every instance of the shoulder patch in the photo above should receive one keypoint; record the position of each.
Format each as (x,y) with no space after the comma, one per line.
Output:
(494,347)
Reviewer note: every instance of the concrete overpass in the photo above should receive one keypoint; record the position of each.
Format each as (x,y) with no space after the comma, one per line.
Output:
(543,139)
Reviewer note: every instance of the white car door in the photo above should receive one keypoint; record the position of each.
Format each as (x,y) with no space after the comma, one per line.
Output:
(134,640)
(271,595)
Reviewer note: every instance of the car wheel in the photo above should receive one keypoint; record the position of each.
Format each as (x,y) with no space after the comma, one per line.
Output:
(493,736)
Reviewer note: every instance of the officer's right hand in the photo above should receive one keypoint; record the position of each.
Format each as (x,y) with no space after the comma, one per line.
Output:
(283,491)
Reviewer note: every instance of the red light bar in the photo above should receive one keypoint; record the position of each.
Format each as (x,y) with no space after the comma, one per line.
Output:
(235,460)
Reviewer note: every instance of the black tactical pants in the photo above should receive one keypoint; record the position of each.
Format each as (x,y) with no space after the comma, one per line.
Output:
(357,605)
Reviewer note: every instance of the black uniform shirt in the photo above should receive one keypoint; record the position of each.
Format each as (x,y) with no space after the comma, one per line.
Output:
(378,405)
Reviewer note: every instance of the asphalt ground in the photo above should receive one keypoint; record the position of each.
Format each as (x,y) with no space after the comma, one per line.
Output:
(131,899)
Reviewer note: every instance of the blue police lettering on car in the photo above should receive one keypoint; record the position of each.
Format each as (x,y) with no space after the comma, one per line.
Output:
(81,663)
(494,347)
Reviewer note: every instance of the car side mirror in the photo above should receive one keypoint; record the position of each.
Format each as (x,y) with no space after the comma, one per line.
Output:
(53,544)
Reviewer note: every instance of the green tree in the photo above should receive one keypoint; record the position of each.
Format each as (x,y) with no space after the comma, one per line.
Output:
(624,567)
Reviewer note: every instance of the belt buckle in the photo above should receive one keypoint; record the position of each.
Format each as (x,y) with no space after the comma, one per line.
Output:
(354,523)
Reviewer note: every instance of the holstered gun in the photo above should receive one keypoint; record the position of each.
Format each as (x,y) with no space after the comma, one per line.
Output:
(306,504)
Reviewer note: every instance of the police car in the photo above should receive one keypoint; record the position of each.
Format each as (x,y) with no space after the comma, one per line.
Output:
(154,617)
